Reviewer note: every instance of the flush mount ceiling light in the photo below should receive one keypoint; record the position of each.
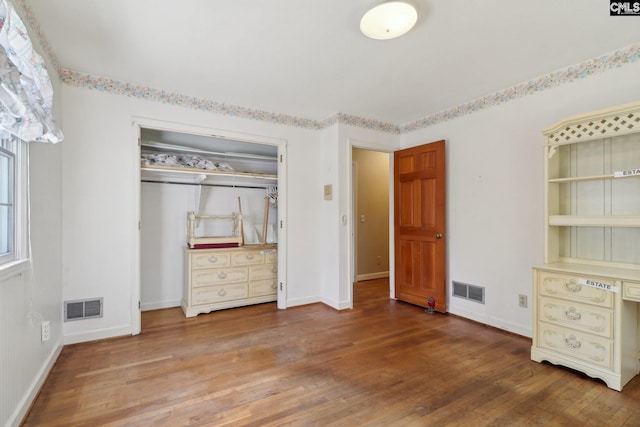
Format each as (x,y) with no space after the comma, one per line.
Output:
(388,20)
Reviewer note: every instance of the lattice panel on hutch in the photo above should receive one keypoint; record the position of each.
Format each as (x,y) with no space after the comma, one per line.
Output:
(615,125)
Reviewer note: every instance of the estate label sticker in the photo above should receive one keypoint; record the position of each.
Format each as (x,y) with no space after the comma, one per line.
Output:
(626,173)
(599,285)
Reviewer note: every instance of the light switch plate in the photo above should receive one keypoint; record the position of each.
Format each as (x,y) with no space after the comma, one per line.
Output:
(328,192)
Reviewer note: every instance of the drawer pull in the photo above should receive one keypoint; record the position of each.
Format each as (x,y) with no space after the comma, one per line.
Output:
(573,287)
(274,286)
(274,270)
(572,314)
(213,259)
(572,341)
(222,275)
(249,256)
(222,292)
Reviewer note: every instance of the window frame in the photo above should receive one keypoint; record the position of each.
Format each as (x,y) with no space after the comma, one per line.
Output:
(18,151)
(10,203)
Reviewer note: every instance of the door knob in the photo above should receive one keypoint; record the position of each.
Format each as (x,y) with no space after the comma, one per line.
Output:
(438,236)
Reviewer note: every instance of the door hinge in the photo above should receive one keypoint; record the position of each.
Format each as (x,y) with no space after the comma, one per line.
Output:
(281,286)
(139,142)
(281,158)
(139,305)
(281,224)
(139,225)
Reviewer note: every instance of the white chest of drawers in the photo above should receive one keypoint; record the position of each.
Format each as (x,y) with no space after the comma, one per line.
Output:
(583,322)
(231,277)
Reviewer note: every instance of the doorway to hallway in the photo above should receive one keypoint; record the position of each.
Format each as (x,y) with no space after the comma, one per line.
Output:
(370,214)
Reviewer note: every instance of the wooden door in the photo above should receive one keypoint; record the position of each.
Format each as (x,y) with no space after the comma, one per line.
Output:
(419,224)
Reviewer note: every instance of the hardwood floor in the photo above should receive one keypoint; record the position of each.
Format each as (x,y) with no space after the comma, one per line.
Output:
(383,363)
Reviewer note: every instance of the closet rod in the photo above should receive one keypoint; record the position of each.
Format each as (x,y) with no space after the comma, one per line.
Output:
(206,185)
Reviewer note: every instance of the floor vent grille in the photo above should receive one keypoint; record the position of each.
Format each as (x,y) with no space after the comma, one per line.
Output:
(467,291)
(82,309)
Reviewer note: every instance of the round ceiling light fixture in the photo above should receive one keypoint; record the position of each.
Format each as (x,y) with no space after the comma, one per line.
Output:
(389,20)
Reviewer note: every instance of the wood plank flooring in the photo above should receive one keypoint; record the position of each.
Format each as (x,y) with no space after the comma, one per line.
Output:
(384,363)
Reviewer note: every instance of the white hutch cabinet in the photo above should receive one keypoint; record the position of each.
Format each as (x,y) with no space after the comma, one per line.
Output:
(586,293)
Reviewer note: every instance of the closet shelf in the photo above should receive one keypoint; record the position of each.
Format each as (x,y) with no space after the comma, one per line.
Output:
(594,221)
(202,176)
(588,178)
(581,178)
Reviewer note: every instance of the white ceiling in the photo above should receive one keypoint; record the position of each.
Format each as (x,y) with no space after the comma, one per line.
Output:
(307,58)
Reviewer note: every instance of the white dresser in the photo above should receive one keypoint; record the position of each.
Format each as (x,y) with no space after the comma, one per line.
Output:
(231,277)
(586,293)
(583,320)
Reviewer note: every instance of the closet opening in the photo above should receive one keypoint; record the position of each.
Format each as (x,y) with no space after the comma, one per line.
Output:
(227,255)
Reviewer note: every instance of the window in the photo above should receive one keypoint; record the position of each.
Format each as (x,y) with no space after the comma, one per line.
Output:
(13,199)
(7,205)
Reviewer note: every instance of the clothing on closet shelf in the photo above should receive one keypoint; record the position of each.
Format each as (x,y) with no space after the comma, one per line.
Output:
(188,161)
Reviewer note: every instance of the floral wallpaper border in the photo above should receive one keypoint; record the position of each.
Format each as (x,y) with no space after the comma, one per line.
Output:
(619,58)
(588,68)
(104,84)
(29,19)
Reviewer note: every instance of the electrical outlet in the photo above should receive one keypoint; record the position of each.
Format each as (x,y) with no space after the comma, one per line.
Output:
(522,300)
(46,330)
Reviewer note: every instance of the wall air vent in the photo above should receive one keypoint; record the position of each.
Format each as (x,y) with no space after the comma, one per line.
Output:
(82,309)
(466,291)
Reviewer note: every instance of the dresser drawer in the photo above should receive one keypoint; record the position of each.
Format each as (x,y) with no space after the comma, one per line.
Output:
(266,271)
(631,291)
(210,260)
(218,276)
(219,293)
(569,287)
(247,258)
(583,317)
(578,345)
(260,288)
(271,256)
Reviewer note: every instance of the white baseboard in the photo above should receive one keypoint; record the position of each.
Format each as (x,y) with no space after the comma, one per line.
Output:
(523,330)
(302,301)
(33,390)
(97,334)
(338,305)
(158,305)
(313,300)
(371,276)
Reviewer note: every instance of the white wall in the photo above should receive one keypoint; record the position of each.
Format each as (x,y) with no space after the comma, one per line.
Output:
(34,295)
(100,210)
(495,190)
(304,204)
(330,220)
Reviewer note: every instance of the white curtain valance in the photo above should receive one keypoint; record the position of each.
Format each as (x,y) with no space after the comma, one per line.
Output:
(26,94)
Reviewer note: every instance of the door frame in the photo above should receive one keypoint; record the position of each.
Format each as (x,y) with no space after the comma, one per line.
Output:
(354,229)
(141,122)
(362,144)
